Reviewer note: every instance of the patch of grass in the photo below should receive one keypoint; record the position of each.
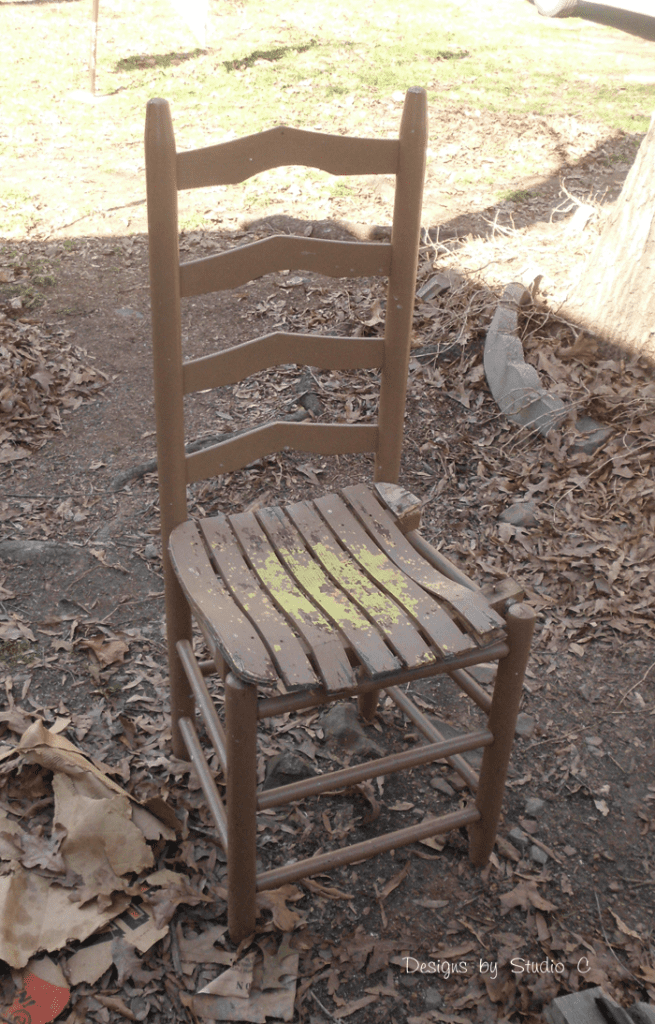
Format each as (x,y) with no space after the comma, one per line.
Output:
(518,195)
(267,56)
(163,60)
(16,209)
(16,652)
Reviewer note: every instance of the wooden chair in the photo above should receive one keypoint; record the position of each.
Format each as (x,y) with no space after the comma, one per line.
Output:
(335,597)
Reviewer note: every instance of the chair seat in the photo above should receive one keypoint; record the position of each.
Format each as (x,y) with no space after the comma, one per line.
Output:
(324,593)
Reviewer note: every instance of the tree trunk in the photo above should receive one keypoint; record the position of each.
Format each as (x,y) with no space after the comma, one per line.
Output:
(615,299)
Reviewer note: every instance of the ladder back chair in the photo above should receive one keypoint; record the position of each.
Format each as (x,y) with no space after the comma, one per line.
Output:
(333,598)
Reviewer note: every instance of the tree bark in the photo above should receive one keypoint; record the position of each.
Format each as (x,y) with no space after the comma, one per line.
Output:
(616,296)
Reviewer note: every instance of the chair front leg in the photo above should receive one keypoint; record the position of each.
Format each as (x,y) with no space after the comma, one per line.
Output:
(520,620)
(241,744)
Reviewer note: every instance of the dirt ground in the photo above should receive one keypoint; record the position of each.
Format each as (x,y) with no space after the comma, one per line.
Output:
(570,906)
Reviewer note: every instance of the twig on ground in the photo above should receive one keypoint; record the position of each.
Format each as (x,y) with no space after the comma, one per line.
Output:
(609,944)
(323,1008)
(194,446)
(635,685)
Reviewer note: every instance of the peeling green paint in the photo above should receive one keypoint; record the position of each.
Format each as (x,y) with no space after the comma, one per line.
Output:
(378,565)
(336,605)
(377,604)
(292,600)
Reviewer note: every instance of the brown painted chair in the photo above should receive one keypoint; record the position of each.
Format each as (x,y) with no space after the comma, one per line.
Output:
(331,598)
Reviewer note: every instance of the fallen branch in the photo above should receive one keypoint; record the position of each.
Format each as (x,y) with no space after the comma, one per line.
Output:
(136,472)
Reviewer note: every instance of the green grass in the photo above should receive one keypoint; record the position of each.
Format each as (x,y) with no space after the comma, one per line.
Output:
(518,195)
(333,66)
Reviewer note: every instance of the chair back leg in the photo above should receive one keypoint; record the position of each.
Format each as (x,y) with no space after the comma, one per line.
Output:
(504,711)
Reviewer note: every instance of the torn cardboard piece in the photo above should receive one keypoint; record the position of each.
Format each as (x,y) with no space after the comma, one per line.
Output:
(144,922)
(134,927)
(35,915)
(101,842)
(43,995)
(96,840)
(257,987)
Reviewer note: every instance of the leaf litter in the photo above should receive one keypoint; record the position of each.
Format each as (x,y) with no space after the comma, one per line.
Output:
(42,376)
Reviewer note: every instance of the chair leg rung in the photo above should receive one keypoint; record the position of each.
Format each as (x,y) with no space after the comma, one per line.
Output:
(212,722)
(207,783)
(372,769)
(431,733)
(467,683)
(369,848)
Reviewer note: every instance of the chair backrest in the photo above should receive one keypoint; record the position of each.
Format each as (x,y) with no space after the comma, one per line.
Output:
(168,171)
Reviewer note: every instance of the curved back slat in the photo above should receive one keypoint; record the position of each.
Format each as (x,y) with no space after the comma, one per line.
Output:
(326,352)
(283,252)
(231,162)
(317,438)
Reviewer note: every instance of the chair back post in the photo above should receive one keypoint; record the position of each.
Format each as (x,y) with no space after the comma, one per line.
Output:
(161,187)
(402,283)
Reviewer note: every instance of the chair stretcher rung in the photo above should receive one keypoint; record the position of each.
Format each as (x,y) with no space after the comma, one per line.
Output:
(468,684)
(212,722)
(369,848)
(207,783)
(371,769)
(431,732)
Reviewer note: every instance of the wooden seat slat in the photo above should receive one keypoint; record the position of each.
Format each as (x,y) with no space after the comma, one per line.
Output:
(361,634)
(472,607)
(310,622)
(229,629)
(398,628)
(284,647)
(423,609)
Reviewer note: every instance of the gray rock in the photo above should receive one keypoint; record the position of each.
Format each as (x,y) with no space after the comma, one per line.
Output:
(343,729)
(285,768)
(525,726)
(642,1013)
(439,284)
(592,435)
(577,1008)
(534,806)
(519,839)
(521,513)
(439,783)
(484,673)
(515,385)
(29,552)
(151,551)
(474,757)
(129,313)
(538,855)
(433,999)
(457,782)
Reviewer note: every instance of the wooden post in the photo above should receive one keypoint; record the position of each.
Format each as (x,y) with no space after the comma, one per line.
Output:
(93,45)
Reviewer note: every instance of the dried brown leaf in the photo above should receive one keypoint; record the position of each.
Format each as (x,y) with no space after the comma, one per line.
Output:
(524,895)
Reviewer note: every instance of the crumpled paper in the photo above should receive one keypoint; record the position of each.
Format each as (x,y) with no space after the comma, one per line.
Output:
(69,885)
